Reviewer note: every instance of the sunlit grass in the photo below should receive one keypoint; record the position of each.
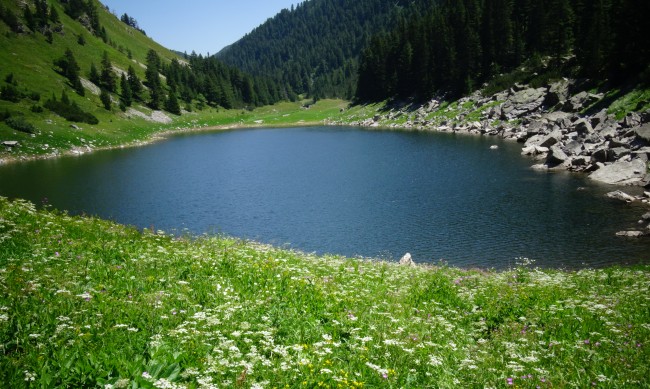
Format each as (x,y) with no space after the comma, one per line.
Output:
(86,302)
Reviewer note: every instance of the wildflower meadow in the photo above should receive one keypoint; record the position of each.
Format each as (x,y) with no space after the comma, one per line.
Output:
(89,303)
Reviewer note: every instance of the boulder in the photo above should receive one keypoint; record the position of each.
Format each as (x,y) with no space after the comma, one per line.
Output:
(406,260)
(583,127)
(632,119)
(621,196)
(522,102)
(630,234)
(556,155)
(600,155)
(10,143)
(621,173)
(558,93)
(545,140)
(581,101)
(643,132)
(574,147)
(646,217)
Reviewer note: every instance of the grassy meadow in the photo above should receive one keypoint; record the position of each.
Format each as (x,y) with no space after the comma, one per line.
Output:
(89,303)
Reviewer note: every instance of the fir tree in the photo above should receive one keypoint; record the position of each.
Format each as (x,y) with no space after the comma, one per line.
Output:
(105,97)
(152,79)
(107,79)
(126,95)
(70,69)
(171,104)
(134,83)
(93,76)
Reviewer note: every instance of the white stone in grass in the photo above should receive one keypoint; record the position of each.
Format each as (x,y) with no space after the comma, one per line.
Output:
(406,260)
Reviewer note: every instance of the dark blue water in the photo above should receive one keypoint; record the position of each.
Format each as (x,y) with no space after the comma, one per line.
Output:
(347,191)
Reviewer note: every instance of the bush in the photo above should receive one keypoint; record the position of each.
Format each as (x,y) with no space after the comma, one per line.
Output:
(36,108)
(9,92)
(70,110)
(19,123)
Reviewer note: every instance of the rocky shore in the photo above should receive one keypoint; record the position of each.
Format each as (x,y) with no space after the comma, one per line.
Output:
(559,129)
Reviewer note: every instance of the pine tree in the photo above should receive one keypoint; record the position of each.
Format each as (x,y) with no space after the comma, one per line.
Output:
(54,15)
(93,76)
(171,104)
(134,83)
(126,96)
(107,79)
(70,69)
(105,97)
(152,79)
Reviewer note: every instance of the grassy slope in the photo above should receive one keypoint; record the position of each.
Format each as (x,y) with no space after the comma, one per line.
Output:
(86,302)
(30,58)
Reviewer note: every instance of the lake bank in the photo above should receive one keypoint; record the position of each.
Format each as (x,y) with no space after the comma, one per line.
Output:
(87,302)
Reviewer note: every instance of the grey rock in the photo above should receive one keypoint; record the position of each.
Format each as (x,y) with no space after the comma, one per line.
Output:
(600,155)
(619,152)
(632,119)
(621,173)
(10,143)
(643,132)
(558,93)
(583,127)
(556,155)
(574,147)
(630,234)
(646,217)
(581,101)
(599,118)
(621,196)
(406,260)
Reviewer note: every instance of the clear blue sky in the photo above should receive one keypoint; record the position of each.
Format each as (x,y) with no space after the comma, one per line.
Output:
(200,25)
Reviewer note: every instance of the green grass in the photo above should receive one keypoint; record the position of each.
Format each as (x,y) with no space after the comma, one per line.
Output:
(637,100)
(86,302)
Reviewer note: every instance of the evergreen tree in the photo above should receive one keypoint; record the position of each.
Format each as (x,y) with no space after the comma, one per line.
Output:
(93,76)
(125,88)
(30,20)
(54,15)
(134,83)
(70,69)
(105,97)
(171,104)
(107,78)
(152,79)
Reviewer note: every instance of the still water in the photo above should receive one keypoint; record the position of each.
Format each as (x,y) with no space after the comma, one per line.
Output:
(347,191)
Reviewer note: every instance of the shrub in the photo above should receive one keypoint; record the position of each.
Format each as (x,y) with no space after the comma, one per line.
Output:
(19,123)
(70,110)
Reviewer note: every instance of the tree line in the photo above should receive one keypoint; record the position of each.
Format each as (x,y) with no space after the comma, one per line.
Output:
(457,45)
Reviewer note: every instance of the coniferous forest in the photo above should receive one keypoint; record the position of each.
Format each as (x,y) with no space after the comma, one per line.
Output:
(457,45)
(314,48)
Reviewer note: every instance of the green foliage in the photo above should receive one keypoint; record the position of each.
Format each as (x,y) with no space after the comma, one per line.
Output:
(313,49)
(126,97)
(88,303)
(69,110)
(105,97)
(10,92)
(107,79)
(171,104)
(69,68)
(459,45)
(19,123)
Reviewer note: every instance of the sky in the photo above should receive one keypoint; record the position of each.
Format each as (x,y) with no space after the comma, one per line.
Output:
(205,26)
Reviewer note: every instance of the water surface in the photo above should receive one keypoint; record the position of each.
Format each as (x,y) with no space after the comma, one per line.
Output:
(347,191)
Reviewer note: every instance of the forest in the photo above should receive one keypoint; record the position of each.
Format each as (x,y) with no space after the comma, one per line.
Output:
(457,45)
(314,48)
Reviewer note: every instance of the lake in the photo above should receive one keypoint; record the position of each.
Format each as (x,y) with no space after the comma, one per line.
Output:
(348,191)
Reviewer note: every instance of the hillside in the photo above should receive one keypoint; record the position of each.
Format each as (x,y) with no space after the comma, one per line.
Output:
(50,101)
(314,48)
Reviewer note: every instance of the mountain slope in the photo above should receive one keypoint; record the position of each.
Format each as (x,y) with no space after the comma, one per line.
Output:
(51,101)
(314,48)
